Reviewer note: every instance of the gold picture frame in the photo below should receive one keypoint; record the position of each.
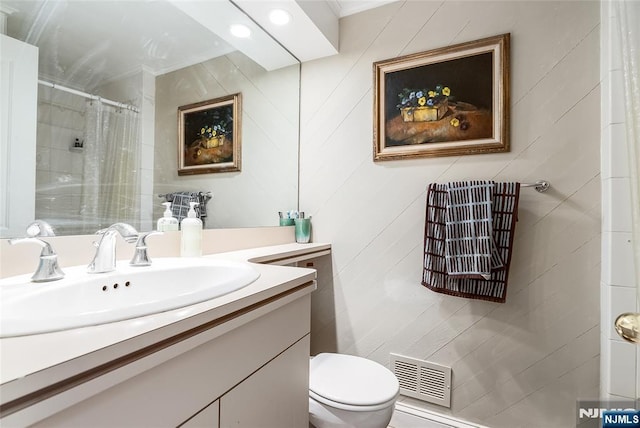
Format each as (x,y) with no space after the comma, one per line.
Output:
(449,101)
(209,136)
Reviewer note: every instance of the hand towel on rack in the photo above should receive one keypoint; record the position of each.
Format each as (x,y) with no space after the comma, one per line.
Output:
(180,204)
(435,275)
(469,229)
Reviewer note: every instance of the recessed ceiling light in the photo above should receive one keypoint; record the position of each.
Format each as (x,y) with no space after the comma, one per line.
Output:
(240,30)
(279,17)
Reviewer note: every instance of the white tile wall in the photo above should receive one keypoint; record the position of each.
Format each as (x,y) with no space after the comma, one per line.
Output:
(526,360)
(618,217)
(59,171)
(147,160)
(620,260)
(623,369)
(619,377)
(619,300)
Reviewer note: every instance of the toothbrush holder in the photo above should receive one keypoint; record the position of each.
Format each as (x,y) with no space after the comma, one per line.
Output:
(303,230)
(286,222)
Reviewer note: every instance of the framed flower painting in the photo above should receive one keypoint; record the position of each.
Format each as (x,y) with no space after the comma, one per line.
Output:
(209,136)
(444,102)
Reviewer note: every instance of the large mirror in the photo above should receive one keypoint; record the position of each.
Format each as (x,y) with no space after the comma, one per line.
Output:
(112,75)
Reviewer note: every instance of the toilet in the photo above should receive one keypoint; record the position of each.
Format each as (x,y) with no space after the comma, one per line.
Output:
(346,391)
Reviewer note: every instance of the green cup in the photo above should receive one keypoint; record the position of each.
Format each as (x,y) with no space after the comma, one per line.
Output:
(303,230)
(286,222)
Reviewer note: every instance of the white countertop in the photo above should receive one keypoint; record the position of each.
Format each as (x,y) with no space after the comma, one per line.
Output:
(22,358)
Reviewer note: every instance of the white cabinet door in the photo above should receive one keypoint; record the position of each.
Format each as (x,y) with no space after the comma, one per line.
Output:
(18,122)
(276,396)
(209,417)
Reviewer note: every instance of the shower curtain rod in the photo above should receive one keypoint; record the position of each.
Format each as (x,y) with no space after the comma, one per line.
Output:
(89,96)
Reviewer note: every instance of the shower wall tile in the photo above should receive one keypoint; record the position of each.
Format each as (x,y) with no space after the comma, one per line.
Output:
(59,171)
(619,155)
(620,300)
(43,159)
(621,260)
(617,378)
(61,162)
(44,131)
(61,119)
(605,107)
(616,97)
(617,215)
(637,374)
(534,356)
(614,60)
(623,369)
(148,201)
(605,355)
(615,160)
(146,157)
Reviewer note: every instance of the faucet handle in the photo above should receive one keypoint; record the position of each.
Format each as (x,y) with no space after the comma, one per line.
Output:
(39,228)
(141,256)
(48,268)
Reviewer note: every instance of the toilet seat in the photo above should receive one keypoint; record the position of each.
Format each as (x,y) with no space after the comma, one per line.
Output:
(351,383)
(351,407)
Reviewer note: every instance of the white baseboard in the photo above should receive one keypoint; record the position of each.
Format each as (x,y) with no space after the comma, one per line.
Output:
(427,416)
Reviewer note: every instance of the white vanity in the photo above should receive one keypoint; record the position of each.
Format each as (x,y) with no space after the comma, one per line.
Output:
(237,360)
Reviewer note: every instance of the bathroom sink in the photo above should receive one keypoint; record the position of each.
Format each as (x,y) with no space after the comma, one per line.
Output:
(82,299)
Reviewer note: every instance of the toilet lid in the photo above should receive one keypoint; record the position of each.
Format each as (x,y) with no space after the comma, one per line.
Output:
(351,380)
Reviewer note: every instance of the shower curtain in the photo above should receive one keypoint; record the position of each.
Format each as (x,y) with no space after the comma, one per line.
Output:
(111,162)
(628,16)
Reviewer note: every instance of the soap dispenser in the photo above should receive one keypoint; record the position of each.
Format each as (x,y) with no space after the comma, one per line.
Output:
(168,222)
(191,240)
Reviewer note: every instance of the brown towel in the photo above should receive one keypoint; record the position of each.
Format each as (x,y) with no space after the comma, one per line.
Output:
(435,276)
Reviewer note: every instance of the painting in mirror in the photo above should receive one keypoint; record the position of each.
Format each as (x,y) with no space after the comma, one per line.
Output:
(209,138)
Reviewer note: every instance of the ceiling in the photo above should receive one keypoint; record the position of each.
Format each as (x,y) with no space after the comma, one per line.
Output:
(343,8)
(313,31)
(85,42)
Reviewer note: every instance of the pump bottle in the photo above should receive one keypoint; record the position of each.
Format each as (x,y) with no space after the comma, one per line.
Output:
(191,239)
(167,223)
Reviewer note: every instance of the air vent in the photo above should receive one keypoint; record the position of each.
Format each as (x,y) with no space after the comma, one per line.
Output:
(423,380)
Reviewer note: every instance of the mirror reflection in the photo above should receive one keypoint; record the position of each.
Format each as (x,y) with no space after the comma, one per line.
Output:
(112,75)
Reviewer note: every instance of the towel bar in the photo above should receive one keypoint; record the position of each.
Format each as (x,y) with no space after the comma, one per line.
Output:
(209,194)
(540,185)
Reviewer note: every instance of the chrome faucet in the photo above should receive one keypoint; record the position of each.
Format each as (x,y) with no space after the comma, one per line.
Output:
(105,257)
(48,268)
(141,256)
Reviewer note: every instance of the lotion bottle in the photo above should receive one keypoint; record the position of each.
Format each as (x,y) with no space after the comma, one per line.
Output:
(191,239)
(168,222)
